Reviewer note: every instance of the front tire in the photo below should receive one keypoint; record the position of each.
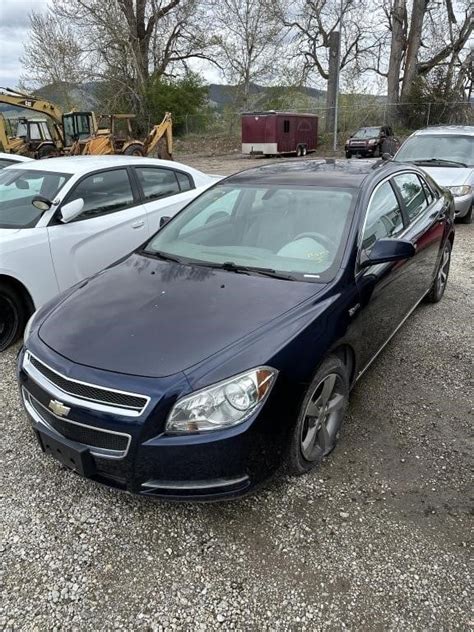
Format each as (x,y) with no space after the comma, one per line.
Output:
(348,155)
(320,418)
(467,219)
(12,316)
(441,280)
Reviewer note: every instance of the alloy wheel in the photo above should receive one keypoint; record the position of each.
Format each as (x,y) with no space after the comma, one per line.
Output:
(443,271)
(322,417)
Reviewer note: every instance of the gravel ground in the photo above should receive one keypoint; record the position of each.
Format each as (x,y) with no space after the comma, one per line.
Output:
(376,539)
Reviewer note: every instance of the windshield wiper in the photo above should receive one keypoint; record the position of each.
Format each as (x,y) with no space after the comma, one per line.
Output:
(441,161)
(240,269)
(157,254)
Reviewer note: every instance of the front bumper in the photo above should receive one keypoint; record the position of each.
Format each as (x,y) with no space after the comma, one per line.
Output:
(362,151)
(133,454)
(462,204)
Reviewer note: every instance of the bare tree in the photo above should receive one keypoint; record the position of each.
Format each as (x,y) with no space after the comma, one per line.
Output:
(421,38)
(125,42)
(311,24)
(247,37)
(67,63)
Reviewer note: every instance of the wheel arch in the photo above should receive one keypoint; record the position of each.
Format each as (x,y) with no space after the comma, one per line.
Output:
(27,299)
(346,353)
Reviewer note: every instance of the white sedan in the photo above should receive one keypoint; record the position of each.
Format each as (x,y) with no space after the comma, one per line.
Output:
(64,219)
(11,159)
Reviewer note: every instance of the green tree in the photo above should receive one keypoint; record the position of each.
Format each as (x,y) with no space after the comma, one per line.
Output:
(184,97)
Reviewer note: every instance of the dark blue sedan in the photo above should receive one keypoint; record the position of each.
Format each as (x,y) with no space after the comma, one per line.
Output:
(227,345)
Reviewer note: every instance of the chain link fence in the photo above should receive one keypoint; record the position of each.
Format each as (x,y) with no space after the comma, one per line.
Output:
(404,118)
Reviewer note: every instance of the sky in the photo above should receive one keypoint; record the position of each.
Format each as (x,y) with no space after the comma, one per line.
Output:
(13,33)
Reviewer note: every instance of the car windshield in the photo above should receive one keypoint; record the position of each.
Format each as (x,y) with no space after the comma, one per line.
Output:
(433,147)
(18,187)
(297,232)
(367,132)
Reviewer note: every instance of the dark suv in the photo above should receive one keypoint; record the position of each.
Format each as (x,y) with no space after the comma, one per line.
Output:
(372,141)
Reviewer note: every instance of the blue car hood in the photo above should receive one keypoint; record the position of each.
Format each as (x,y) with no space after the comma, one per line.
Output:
(155,318)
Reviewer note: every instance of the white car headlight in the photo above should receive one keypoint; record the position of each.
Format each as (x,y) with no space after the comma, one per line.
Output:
(27,329)
(458,191)
(222,405)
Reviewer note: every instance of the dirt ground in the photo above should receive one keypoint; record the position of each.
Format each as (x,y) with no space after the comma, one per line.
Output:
(376,539)
(226,164)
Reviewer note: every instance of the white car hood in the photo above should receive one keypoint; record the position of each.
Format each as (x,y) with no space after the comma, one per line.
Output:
(449,176)
(5,233)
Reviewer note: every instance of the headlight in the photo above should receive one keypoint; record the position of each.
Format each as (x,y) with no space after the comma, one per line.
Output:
(372,141)
(27,329)
(223,405)
(464,189)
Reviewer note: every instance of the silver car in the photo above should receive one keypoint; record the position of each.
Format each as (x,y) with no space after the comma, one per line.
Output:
(446,153)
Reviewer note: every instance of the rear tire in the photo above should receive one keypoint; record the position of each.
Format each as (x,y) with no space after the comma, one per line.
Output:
(441,280)
(320,418)
(467,219)
(12,316)
(134,150)
(49,151)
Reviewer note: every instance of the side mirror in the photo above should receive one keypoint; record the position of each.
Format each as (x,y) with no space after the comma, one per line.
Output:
(164,220)
(385,250)
(41,203)
(71,210)
(387,156)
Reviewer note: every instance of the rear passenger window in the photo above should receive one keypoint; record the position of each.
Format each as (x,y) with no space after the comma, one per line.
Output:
(412,193)
(384,217)
(428,192)
(185,182)
(104,192)
(157,183)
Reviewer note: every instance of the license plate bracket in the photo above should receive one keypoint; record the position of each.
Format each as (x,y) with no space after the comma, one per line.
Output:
(72,455)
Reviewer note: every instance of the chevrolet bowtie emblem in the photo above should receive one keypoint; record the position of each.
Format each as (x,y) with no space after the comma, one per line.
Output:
(59,408)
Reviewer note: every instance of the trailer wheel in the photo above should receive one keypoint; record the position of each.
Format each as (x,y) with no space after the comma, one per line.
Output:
(298,151)
(304,151)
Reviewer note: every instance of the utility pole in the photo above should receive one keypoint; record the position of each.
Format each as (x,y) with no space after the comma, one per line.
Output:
(333,82)
(338,71)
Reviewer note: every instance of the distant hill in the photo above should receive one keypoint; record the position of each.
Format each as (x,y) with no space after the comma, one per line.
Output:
(85,96)
(221,95)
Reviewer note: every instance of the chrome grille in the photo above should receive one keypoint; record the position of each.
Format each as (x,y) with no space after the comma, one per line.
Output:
(103,441)
(90,392)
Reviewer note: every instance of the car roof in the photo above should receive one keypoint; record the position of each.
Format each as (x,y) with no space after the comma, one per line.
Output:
(15,157)
(455,130)
(325,172)
(84,164)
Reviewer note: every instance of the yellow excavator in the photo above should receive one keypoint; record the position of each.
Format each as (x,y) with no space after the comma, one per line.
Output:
(78,133)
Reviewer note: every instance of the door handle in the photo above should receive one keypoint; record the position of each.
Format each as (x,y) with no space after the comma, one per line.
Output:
(138,224)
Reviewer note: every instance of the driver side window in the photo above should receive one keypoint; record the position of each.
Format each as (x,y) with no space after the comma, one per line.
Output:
(384,216)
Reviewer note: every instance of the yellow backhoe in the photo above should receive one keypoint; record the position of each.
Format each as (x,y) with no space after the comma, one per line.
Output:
(78,133)
(114,136)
